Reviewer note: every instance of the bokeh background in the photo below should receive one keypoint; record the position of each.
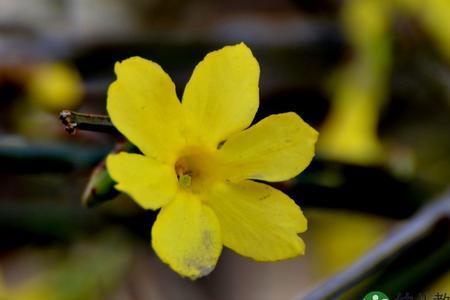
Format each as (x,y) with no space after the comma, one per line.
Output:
(372,76)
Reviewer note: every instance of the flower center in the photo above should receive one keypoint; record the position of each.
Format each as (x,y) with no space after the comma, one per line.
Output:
(194,170)
(184,171)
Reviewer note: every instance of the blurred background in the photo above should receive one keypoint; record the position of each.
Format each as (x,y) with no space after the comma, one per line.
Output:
(372,76)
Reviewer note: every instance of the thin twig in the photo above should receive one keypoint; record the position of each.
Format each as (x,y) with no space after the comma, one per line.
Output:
(75,120)
(400,239)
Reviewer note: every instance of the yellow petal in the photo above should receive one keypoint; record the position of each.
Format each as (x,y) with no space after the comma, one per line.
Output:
(257,220)
(143,105)
(221,97)
(275,149)
(186,235)
(150,183)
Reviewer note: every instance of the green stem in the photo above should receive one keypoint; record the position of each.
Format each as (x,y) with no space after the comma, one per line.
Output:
(75,120)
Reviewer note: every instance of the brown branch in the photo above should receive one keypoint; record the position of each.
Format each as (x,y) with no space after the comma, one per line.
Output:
(400,239)
(75,120)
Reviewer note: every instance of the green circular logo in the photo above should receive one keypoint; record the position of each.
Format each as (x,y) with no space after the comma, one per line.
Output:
(376,296)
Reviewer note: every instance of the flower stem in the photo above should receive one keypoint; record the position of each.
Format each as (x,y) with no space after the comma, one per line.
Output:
(92,122)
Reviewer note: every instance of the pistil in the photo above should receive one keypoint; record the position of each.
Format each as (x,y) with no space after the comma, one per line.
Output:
(185,181)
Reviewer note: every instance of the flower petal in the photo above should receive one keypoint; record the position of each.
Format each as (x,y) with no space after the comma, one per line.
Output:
(143,105)
(186,235)
(150,183)
(275,149)
(221,97)
(257,220)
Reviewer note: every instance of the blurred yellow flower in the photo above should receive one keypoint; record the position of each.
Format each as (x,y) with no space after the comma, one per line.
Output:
(349,134)
(350,131)
(198,159)
(55,86)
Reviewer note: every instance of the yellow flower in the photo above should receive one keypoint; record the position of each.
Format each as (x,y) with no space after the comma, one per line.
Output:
(198,161)
(55,86)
